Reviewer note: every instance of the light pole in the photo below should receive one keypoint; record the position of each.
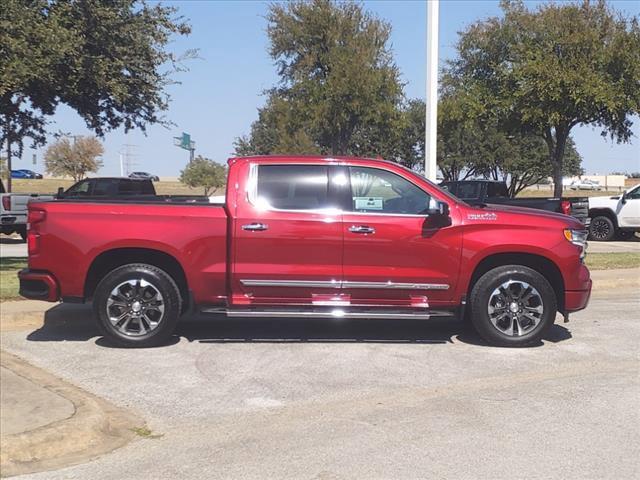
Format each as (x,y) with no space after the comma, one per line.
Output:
(431,130)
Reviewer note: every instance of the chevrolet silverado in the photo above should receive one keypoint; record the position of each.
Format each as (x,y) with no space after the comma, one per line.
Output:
(309,237)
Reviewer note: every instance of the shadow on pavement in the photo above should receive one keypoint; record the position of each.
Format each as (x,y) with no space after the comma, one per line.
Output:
(11,241)
(74,323)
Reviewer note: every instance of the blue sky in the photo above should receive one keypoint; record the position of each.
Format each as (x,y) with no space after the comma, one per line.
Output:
(218,97)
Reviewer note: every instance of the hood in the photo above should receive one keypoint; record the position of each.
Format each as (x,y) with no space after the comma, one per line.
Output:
(529,215)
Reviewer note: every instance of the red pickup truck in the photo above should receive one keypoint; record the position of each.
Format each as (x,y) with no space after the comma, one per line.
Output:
(309,237)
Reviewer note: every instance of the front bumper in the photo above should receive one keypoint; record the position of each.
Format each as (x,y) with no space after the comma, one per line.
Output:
(38,285)
(575,300)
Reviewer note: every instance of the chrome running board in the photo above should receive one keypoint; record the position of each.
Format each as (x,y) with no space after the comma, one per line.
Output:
(333,313)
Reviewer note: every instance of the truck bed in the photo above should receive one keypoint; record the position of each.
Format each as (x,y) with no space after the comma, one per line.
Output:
(194,233)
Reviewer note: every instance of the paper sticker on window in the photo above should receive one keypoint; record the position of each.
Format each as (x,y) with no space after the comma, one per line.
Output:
(369,203)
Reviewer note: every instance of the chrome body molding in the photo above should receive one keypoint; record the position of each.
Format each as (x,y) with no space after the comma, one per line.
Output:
(344,284)
(334,313)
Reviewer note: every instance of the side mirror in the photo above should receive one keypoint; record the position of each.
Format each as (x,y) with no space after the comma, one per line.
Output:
(60,193)
(438,208)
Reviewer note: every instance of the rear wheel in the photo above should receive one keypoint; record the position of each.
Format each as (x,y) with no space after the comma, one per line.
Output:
(137,305)
(601,229)
(512,306)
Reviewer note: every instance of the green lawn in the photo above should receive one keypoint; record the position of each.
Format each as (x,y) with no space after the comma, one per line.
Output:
(607,261)
(8,277)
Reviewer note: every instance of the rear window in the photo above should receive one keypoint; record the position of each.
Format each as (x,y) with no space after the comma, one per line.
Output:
(135,187)
(104,187)
(497,190)
(468,190)
(294,187)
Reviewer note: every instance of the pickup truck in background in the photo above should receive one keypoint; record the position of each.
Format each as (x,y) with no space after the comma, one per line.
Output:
(106,187)
(336,238)
(13,211)
(481,192)
(617,216)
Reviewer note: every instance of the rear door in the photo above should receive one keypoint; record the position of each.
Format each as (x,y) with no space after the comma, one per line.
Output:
(287,236)
(395,254)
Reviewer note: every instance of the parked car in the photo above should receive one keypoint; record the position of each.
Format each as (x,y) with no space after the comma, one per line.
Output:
(30,173)
(20,174)
(480,192)
(108,187)
(13,211)
(144,175)
(615,216)
(309,237)
(585,184)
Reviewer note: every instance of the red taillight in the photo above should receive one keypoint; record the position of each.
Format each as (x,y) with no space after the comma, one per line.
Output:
(6,202)
(566,207)
(36,216)
(33,243)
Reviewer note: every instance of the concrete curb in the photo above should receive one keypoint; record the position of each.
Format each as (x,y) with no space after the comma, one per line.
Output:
(96,427)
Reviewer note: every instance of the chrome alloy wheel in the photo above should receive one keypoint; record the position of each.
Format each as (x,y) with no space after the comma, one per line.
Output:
(135,307)
(515,308)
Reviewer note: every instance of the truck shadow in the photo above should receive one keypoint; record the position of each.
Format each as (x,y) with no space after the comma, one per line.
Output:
(74,323)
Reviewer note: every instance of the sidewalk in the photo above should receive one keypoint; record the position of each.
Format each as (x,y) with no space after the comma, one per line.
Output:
(47,423)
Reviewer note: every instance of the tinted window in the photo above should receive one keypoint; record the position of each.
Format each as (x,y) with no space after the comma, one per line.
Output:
(135,187)
(80,188)
(634,194)
(497,190)
(104,186)
(293,187)
(468,190)
(379,191)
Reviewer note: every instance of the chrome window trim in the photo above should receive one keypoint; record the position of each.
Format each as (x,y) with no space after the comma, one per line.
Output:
(252,195)
(344,284)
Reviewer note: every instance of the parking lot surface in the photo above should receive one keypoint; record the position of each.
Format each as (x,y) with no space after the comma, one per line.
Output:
(367,399)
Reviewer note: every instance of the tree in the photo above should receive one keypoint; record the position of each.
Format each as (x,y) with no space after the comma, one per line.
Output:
(545,71)
(75,160)
(339,90)
(204,172)
(3,168)
(105,60)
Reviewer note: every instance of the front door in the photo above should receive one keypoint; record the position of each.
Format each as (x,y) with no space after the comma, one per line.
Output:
(395,254)
(287,237)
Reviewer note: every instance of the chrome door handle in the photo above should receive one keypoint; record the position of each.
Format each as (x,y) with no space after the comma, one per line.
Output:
(363,229)
(255,227)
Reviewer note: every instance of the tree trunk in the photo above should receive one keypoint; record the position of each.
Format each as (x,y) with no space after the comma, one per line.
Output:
(556,144)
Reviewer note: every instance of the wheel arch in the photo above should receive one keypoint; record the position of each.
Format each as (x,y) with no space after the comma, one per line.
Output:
(541,264)
(111,259)
(604,212)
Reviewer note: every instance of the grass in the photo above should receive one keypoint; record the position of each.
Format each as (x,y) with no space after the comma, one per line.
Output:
(50,186)
(8,277)
(145,432)
(608,261)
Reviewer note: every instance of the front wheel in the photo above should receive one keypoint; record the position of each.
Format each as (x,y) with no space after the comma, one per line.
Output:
(512,306)
(137,305)
(601,229)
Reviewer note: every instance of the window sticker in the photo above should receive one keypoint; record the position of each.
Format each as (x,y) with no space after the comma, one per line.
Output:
(369,203)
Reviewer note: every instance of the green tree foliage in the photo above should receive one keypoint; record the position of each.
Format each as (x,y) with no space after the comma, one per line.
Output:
(339,90)
(204,172)
(106,60)
(65,158)
(469,146)
(547,70)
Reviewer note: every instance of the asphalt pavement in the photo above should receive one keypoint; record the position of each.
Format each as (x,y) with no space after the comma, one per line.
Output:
(340,399)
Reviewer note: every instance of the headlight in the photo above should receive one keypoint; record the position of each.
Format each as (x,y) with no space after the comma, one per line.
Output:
(578,238)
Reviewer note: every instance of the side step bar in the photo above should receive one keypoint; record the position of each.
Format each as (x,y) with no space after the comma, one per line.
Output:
(335,313)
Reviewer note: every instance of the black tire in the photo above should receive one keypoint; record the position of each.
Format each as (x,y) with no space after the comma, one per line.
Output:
(23,234)
(157,282)
(624,235)
(483,292)
(601,229)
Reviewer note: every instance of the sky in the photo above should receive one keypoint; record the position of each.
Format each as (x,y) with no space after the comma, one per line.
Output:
(217,99)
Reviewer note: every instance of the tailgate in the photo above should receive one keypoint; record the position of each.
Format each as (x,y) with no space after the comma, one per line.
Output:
(580,209)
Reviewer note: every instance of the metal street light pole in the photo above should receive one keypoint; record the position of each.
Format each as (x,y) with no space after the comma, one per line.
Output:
(431,130)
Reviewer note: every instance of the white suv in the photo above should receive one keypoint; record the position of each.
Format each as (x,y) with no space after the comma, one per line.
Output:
(611,216)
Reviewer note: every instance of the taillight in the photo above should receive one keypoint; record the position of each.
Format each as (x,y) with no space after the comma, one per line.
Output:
(6,202)
(33,243)
(566,207)
(35,216)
